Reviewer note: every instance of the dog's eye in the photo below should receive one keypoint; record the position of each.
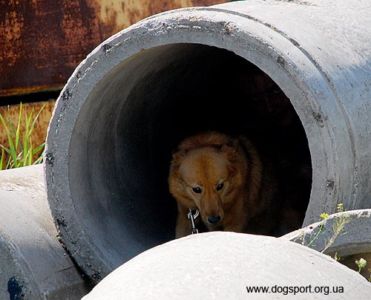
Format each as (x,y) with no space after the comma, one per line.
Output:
(219,186)
(197,190)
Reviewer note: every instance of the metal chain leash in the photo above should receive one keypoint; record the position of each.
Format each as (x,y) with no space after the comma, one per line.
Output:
(192,216)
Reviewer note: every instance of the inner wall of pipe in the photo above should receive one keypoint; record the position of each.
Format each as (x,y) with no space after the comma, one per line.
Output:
(135,117)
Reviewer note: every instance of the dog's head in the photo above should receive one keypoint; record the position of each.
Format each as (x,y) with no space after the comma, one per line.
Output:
(209,178)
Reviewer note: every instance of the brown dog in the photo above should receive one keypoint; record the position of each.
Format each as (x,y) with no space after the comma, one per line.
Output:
(226,180)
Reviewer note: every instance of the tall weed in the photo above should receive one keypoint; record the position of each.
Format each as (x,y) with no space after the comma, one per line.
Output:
(19,150)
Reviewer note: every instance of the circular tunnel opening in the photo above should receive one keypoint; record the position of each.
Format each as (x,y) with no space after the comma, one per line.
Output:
(135,117)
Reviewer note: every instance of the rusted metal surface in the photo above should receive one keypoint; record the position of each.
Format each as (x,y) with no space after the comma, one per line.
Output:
(42,41)
(11,114)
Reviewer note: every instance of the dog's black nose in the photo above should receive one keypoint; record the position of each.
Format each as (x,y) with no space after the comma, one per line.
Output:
(214,219)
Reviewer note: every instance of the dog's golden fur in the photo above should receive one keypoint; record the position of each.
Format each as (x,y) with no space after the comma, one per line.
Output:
(235,183)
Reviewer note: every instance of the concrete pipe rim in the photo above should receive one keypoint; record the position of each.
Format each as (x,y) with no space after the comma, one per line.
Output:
(244,37)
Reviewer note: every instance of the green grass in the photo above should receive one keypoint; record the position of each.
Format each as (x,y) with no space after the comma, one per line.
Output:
(19,150)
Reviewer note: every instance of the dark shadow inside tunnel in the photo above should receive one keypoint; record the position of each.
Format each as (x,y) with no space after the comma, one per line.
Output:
(137,116)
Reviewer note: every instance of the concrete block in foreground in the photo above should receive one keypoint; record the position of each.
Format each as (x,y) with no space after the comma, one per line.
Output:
(33,264)
(223,265)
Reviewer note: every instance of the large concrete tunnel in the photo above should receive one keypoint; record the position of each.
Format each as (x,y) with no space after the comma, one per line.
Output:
(295,75)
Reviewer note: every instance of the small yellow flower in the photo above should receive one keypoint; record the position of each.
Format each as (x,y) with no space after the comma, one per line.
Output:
(361,263)
(340,207)
(324,216)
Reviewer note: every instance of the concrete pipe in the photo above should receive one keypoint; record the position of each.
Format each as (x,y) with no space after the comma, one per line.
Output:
(345,233)
(230,266)
(33,264)
(140,92)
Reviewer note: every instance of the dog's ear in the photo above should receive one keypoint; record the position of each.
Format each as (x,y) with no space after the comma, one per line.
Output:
(231,149)
(177,158)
